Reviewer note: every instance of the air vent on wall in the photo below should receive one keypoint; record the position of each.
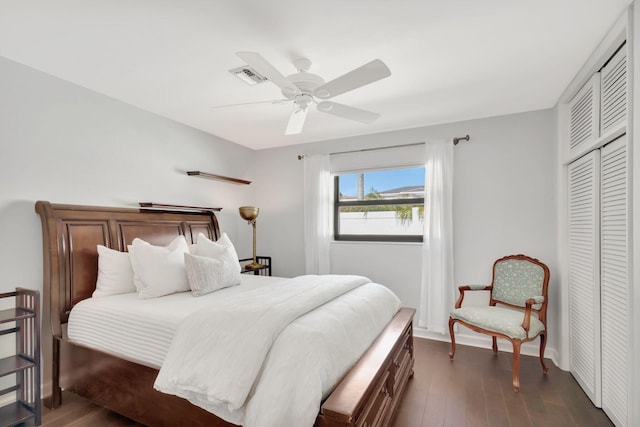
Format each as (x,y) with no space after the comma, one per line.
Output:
(248,75)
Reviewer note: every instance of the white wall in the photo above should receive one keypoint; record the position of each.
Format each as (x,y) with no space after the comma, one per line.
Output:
(504,203)
(63,143)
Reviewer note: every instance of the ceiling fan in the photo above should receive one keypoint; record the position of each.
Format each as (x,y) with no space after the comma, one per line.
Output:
(304,88)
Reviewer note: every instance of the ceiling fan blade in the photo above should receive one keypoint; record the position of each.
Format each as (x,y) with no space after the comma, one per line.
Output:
(296,121)
(351,113)
(265,68)
(361,76)
(273,101)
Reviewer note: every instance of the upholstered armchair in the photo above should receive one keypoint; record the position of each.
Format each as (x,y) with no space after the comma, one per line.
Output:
(517,309)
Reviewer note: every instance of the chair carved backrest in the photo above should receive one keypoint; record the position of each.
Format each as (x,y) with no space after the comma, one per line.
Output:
(517,278)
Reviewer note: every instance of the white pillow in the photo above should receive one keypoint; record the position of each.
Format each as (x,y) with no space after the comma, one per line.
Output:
(207,275)
(193,249)
(211,249)
(159,270)
(115,275)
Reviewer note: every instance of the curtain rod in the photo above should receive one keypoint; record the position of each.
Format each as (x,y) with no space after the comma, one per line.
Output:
(455,142)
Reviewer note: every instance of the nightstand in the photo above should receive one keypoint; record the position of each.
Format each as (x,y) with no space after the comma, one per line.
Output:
(265,270)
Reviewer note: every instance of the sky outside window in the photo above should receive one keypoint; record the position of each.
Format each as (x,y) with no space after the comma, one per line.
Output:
(382,180)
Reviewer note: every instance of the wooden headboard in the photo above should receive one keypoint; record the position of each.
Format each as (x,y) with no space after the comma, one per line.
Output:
(71,233)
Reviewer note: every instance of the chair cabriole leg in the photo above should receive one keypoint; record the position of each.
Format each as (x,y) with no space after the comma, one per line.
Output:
(494,345)
(453,338)
(543,344)
(516,365)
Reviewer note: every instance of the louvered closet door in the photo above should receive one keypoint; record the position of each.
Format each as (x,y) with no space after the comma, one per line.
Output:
(613,82)
(584,115)
(584,273)
(615,283)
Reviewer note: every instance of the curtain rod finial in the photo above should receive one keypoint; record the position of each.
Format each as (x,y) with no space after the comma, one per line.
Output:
(460,138)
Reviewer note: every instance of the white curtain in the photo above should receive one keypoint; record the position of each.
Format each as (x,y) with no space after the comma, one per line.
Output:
(437,290)
(318,198)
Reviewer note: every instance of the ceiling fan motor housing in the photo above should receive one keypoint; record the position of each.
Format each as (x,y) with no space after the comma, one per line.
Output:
(305,82)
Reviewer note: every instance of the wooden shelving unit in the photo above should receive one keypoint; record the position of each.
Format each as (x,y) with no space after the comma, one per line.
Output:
(24,321)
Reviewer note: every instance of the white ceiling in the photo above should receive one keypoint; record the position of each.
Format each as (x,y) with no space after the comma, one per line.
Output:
(450,60)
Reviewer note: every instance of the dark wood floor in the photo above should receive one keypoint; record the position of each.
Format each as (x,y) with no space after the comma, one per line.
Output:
(473,390)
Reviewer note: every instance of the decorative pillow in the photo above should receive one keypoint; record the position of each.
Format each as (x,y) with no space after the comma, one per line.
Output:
(193,249)
(159,270)
(206,274)
(211,249)
(115,275)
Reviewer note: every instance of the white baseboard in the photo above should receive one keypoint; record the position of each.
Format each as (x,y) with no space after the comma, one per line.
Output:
(484,341)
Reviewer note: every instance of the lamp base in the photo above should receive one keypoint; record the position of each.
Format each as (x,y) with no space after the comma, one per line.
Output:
(253,266)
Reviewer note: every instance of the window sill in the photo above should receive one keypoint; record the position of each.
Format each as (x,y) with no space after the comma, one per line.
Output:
(356,242)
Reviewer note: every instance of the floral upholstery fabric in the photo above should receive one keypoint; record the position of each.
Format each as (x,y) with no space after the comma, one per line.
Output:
(517,280)
(498,319)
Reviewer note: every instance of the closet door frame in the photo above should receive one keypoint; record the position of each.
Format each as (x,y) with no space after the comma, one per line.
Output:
(625,30)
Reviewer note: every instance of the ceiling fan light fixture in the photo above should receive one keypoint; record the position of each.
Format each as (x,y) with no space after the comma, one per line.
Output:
(303,101)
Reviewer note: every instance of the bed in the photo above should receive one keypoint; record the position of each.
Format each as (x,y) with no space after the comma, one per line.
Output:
(368,394)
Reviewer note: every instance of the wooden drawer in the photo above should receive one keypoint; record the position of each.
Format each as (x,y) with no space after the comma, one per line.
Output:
(374,414)
(402,371)
(402,362)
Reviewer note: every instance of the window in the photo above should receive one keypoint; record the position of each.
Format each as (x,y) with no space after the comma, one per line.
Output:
(381,205)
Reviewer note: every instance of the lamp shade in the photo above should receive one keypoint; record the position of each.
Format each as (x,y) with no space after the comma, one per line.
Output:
(249,213)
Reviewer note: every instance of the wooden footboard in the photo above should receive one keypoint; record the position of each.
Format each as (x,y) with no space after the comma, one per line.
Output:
(126,387)
(368,395)
(371,392)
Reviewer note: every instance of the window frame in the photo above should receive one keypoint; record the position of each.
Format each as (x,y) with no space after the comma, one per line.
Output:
(337,204)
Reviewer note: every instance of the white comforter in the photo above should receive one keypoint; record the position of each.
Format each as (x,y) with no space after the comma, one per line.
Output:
(269,356)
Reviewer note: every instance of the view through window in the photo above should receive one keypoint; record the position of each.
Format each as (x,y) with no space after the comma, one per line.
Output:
(381,205)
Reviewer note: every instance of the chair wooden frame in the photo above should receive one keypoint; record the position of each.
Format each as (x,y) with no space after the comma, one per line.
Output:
(529,307)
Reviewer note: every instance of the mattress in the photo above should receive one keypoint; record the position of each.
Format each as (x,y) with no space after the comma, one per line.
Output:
(141,330)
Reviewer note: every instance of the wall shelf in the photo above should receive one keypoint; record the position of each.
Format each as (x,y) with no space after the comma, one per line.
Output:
(218,177)
(163,206)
